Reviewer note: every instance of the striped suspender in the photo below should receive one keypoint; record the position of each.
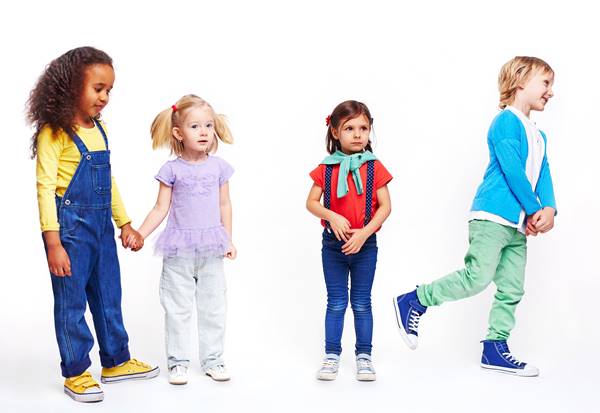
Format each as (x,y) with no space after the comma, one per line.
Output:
(368,191)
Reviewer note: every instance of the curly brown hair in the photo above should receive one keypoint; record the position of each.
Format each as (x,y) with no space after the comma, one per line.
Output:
(54,99)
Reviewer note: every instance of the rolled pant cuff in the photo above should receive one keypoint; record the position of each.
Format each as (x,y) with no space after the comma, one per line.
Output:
(212,363)
(113,360)
(76,368)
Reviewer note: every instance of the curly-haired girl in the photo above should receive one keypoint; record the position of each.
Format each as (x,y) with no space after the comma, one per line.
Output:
(77,196)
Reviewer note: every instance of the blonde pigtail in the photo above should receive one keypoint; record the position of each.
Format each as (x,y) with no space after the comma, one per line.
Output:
(223,131)
(161,132)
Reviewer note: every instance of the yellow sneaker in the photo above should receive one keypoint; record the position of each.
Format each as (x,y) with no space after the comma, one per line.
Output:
(83,388)
(130,370)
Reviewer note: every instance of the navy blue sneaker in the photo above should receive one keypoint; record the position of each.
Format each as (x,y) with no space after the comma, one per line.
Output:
(496,356)
(408,313)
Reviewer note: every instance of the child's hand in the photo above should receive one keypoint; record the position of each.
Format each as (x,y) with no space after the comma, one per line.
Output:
(135,243)
(231,252)
(58,261)
(355,242)
(130,238)
(530,229)
(341,227)
(545,221)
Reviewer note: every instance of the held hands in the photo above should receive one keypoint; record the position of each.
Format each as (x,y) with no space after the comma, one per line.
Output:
(130,238)
(541,221)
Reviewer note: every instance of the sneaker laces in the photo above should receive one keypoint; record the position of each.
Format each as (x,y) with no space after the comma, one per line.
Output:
(329,364)
(364,364)
(413,320)
(512,359)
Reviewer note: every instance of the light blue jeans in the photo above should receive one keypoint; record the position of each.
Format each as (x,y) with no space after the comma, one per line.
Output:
(182,280)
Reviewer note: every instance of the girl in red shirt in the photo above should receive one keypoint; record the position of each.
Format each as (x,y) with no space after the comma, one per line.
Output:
(356,202)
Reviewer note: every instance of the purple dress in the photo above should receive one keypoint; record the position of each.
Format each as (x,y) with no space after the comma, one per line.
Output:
(194,224)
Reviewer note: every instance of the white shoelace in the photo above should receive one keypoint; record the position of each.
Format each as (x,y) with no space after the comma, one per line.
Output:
(329,364)
(413,321)
(364,364)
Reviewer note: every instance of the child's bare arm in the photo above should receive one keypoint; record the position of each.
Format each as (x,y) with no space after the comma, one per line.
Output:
(58,259)
(339,224)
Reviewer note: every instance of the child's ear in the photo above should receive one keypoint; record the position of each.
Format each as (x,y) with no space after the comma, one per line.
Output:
(334,132)
(177,133)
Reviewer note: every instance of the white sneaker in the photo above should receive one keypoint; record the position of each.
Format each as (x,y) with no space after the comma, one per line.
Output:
(329,367)
(364,368)
(218,373)
(178,375)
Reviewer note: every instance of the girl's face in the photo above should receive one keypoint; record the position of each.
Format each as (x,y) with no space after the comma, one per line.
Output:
(97,83)
(197,130)
(538,90)
(353,134)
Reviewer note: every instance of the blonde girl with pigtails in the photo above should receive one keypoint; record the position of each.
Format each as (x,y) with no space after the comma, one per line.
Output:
(193,244)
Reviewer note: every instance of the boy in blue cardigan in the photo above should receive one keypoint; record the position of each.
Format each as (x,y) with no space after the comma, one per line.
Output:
(514,200)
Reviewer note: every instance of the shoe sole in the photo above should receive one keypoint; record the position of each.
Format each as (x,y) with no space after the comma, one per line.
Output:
(85,397)
(136,376)
(365,376)
(403,333)
(326,376)
(218,378)
(506,370)
(177,383)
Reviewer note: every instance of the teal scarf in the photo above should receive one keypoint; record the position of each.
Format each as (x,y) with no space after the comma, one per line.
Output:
(348,163)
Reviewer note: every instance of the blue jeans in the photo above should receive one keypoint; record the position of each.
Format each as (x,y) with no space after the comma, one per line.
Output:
(336,268)
(87,234)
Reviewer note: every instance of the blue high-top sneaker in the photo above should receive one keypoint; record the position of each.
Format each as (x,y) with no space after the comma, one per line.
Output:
(496,356)
(408,314)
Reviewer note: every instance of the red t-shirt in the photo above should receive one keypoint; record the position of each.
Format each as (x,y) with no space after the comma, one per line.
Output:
(352,206)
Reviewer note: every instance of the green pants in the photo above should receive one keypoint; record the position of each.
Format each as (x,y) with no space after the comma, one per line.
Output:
(496,253)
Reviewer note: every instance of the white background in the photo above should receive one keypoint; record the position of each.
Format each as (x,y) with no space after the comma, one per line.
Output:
(428,72)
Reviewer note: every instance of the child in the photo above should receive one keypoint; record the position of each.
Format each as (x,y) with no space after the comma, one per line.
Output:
(515,199)
(356,202)
(194,188)
(76,197)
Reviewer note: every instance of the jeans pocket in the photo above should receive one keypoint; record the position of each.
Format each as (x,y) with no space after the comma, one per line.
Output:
(101,178)
(69,220)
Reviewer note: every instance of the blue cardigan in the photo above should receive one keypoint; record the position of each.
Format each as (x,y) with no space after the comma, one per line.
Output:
(505,189)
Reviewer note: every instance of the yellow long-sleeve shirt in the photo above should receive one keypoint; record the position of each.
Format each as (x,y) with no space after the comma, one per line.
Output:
(57,160)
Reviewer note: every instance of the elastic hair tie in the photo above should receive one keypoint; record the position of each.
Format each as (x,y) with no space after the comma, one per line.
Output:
(328,120)
(174,107)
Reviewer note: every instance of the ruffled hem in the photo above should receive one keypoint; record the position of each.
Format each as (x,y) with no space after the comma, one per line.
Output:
(206,242)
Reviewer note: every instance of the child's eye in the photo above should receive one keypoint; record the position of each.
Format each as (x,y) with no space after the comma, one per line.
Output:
(209,125)
(194,126)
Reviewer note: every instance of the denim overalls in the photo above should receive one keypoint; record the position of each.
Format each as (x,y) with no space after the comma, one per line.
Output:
(87,234)
(360,266)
